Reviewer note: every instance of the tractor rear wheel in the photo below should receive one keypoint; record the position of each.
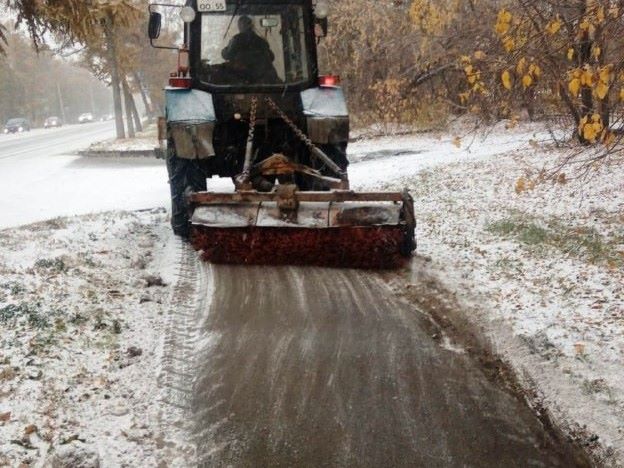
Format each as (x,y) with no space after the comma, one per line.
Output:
(185,176)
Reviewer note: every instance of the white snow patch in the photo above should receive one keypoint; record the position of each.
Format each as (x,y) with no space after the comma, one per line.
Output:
(81,342)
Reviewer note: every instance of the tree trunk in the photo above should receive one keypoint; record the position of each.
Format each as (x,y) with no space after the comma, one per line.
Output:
(128,106)
(138,126)
(144,98)
(114,71)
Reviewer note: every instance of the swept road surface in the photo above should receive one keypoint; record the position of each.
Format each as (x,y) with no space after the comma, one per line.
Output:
(41,178)
(314,367)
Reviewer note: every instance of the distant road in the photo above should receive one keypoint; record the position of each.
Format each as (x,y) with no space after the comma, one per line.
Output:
(54,141)
(42,178)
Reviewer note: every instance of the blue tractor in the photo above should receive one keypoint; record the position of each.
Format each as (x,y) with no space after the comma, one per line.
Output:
(247,102)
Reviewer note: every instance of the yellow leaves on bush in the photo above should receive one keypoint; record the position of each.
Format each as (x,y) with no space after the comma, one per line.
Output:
(574,86)
(521,67)
(596,51)
(535,71)
(527,80)
(587,76)
(507,80)
(457,142)
(503,22)
(606,73)
(480,55)
(570,54)
(622,94)
(502,27)
(473,75)
(599,80)
(479,87)
(605,76)
(591,127)
(508,43)
(553,27)
(602,90)
(529,74)
(586,26)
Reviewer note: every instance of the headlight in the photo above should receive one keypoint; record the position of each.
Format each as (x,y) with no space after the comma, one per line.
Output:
(321,9)
(187,14)
(6,130)
(21,129)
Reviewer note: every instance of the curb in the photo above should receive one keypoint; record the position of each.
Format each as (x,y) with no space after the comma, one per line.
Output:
(118,154)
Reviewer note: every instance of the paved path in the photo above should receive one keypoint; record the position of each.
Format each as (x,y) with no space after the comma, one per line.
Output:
(314,367)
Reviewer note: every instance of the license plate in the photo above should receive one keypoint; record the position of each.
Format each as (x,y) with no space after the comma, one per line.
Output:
(206,6)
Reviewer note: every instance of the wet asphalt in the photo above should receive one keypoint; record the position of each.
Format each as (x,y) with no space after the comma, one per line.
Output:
(309,367)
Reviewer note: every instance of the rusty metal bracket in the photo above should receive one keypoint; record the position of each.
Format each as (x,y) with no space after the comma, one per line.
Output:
(280,165)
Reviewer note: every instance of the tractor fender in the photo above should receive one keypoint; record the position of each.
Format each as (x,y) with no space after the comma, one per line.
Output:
(191,119)
(326,115)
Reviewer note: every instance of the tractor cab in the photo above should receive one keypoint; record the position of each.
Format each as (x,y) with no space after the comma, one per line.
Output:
(253,45)
(248,45)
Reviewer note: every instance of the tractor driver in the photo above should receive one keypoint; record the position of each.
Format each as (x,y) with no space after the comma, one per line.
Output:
(250,55)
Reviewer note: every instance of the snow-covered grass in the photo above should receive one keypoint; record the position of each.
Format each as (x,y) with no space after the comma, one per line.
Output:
(83,303)
(545,264)
(144,141)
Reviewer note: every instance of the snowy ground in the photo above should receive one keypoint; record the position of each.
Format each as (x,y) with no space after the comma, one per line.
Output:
(540,273)
(83,306)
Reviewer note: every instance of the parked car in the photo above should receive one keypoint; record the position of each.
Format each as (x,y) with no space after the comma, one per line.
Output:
(107,117)
(87,117)
(17,126)
(53,121)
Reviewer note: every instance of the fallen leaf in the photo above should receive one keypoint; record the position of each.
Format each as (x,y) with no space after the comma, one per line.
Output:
(31,428)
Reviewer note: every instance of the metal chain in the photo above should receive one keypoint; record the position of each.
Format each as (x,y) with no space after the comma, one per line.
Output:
(242,180)
(302,136)
(316,151)
(252,118)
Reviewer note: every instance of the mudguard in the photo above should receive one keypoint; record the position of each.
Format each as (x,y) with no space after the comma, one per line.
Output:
(191,120)
(326,115)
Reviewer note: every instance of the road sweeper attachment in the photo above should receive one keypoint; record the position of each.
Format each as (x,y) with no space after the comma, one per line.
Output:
(288,227)
(247,103)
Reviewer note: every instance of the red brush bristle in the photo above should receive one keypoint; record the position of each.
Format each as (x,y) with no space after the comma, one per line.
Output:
(375,247)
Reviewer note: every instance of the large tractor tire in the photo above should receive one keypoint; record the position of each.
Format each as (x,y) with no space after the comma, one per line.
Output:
(185,176)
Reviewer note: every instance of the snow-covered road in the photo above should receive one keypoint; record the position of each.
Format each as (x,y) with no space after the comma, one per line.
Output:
(41,178)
